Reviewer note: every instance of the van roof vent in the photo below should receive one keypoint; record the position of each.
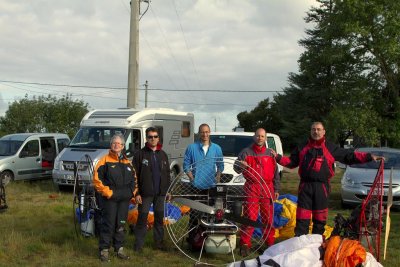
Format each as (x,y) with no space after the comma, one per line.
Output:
(117,114)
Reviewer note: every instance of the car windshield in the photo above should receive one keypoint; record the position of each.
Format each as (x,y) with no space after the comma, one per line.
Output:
(9,147)
(94,137)
(392,160)
(231,145)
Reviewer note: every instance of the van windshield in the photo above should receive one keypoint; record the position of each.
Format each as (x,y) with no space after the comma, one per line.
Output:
(231,145)
(9,147)
(93,137)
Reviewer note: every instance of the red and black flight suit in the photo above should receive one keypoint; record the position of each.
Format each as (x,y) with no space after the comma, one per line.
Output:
(114,179)
(259,194)
(316,159)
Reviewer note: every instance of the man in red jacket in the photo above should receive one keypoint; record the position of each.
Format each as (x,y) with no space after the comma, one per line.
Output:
(315,159)
(259,168)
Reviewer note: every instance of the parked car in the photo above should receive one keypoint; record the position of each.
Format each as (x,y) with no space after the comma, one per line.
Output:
(358,178)
(29,155)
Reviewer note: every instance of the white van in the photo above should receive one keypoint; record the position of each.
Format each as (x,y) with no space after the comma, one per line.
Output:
(29,155)
(232,143)
(98,126)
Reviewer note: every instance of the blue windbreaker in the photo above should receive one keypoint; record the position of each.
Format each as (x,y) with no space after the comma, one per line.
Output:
(203,166)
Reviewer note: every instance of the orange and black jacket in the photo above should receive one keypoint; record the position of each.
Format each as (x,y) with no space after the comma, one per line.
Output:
(114,177)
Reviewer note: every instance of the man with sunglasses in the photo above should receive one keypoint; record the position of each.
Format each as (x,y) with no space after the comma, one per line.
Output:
(153,173)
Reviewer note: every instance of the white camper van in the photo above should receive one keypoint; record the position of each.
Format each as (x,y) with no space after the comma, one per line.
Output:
(232,143)
(98,126)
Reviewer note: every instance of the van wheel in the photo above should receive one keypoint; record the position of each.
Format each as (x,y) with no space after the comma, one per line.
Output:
(6,177)
(173,174)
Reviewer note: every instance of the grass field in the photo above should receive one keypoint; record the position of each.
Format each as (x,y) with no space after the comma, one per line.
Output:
(38,230)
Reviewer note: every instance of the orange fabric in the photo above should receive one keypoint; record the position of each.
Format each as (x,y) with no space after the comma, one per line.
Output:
(133,216)
(184,209)
(343,253)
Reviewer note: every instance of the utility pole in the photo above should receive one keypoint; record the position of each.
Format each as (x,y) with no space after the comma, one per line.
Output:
(133,69)
(146,85)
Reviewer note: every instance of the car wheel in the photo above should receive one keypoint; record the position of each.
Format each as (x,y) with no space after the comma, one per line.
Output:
(6,177)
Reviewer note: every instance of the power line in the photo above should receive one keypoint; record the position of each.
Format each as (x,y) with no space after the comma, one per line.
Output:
(169,47)
(67,85)
(108,97)
(142,89)
(186,43)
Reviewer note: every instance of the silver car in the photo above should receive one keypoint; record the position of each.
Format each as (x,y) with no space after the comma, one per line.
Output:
(358,178)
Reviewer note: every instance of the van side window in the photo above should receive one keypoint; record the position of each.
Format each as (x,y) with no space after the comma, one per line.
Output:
(185,129)
(271,143)
(160,133)
(132,143)
(31,149)
(61,143)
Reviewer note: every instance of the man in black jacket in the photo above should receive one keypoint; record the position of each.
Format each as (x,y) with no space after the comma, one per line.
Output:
(153,172)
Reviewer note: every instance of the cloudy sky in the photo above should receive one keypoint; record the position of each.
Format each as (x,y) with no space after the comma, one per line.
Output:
(53,47)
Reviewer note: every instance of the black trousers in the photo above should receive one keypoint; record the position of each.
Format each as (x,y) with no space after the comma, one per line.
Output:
(112,226)
(141,225)
(312,202)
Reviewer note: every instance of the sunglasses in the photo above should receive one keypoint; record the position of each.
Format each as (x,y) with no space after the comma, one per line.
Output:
(152,136)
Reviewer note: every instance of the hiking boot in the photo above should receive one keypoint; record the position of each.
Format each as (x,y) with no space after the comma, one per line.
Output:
(105,255)
(244,250)
(137,249)
(122,255)
(160,246)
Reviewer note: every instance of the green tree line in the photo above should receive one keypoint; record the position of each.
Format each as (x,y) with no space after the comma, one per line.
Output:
(348,77)
(43,114)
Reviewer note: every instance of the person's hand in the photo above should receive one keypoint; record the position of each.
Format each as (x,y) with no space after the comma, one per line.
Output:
(244,164)
(138,199)
(276,195)
(377,158)
(168,197)
(190,175)
(218,177)
(274,153)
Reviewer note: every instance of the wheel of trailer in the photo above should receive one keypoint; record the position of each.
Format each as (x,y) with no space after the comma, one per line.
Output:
(6,177)
(221,215)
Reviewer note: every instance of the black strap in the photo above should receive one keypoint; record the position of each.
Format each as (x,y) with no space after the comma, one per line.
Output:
(272,263)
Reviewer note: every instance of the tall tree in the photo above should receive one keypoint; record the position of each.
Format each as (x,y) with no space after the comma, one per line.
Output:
(262,116)
(44,114)
(308,97)
(348,74)
(372,28)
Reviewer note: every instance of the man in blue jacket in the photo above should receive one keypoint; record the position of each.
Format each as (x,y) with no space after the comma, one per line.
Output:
(203,164)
